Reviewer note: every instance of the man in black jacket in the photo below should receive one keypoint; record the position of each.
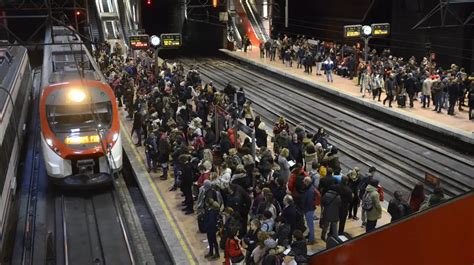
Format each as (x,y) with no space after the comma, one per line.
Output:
(346,198)
(137,127)
(410,86)
(187,174)
(239,200)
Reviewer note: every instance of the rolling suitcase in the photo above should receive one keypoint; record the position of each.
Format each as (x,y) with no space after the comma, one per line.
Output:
(401,100)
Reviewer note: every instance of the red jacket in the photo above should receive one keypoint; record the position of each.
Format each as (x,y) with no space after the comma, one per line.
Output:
(292,180)
(203,177)
(232,249)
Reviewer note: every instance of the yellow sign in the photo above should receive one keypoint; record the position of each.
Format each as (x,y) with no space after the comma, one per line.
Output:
(171,40)
(381,29)
(352,31)
(87,139)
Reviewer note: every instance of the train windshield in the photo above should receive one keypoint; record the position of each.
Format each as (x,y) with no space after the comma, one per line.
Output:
(78,110)
(77,118)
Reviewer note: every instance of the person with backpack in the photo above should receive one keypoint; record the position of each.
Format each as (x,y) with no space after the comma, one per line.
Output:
(397,207)
(364,182)
(330,204)
(354,182)
(212,226)
(371,204)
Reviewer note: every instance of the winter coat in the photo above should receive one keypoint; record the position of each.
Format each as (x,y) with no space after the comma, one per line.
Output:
(309,199)
(282,234)
(426,87)
(296,152)
(346,196)
(284,168)
(289,213)
(212,220)
(261,137)
(331,204)
(308,160)
(333,161)
(376,211)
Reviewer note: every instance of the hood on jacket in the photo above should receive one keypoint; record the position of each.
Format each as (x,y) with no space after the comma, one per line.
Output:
(370,188)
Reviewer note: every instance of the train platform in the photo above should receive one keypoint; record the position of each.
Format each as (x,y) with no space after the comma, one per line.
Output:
(458,126)
(186,244)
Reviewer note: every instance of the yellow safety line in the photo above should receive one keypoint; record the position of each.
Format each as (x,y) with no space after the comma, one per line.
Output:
(160,199)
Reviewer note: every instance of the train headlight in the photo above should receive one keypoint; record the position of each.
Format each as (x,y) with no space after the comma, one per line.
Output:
(76,95)
(49,142)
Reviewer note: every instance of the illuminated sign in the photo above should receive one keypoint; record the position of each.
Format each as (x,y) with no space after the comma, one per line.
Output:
(171,40)
(139,42)
(87,139)
(381,29)
(352,31)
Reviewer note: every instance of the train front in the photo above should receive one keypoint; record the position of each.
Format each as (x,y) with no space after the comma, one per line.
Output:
(80,131)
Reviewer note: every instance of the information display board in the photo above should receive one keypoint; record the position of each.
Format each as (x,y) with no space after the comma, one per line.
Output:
(139,42)
(171,40)
(352,31)
(382,29)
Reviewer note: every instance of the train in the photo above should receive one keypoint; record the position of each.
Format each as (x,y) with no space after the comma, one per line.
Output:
(15,93)
(80,127)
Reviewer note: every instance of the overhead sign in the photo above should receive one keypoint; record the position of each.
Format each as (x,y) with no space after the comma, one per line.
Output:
(140,42)
(352,31)
(171,40)
(381,29)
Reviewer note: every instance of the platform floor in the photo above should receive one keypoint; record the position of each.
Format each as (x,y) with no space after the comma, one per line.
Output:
(187,224)
(458,122)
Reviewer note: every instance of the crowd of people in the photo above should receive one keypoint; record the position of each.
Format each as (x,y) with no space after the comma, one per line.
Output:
(257,210)
(401,80)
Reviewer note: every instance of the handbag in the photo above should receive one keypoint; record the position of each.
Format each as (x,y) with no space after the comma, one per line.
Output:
(237,259)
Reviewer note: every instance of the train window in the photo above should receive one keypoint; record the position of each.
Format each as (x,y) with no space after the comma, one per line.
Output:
(64,118)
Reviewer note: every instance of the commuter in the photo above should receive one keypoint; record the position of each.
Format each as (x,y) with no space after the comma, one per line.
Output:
(364,182)
(248,113)
(212,225)
(151,151)
(233,249)
(371,204)
(137,127)
(309,206)
(435,198)
(354,182)
(378,84)
(410,86)
(267,222)
(187,182)
(261,135)
(453,92)
(299,248)
(437,92)
(471,101)
(290,213)
(284,165)
(426,91)
(282,232)
(261,46)
(389,90)
(250,240)
(345,193)
(417,197)
(295,148)
(328,66)
(330,204)
(397,207)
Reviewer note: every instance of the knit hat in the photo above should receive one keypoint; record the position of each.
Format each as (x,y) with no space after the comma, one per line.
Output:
(261,125)
(207,165)
(374,182)
(270,243)
(232,151)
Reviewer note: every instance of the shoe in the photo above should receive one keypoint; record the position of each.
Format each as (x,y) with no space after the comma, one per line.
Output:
(208,255)
(138,144)
(216,256)
(311,242)
(350,217)
(173,188)
(189,212)
(163,177)
(355,218)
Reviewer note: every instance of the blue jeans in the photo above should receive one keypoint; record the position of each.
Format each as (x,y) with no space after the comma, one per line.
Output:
(310,222)
(329,75)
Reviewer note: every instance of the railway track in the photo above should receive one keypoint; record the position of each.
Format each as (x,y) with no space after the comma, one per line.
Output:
(401,158)
(90,230)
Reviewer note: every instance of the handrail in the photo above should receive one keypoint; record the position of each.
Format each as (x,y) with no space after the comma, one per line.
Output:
(257,21)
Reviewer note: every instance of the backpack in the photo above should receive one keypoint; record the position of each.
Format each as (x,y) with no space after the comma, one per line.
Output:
(367,203)
(381,193)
